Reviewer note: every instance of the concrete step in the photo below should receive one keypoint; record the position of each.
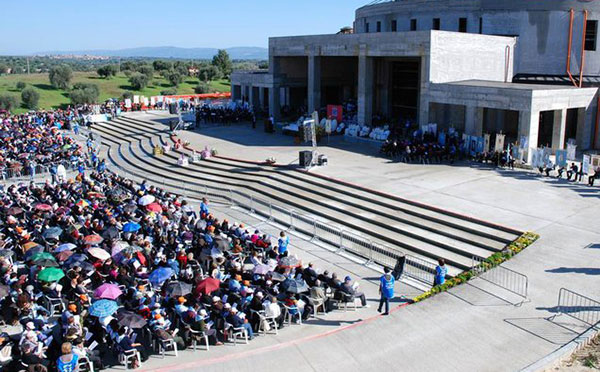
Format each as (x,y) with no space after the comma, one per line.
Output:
(130,137)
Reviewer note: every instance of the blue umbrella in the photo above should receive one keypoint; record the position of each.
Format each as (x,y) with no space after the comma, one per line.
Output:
(131,227)
(76,258)
(158,276)
(103,308)
(52,233)
(65,247)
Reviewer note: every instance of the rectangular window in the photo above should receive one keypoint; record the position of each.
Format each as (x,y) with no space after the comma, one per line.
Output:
(591,33)
(378,26)
(413,25)
(435,24)
(462,25)
(367,27)
(394,26)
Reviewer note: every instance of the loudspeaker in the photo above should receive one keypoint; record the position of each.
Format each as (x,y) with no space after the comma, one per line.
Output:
(305,158)
(399,268)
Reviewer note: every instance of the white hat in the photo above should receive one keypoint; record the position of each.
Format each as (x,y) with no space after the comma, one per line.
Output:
(234,310)
(228,306)
(216,298)
(203,312)
(30,326)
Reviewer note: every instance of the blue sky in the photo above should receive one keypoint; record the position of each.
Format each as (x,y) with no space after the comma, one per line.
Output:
(43,25)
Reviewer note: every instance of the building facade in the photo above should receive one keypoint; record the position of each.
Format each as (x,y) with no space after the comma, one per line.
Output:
(523,68)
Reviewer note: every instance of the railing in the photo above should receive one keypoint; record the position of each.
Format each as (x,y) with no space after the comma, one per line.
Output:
(578,307)
(501,276)
(383,254)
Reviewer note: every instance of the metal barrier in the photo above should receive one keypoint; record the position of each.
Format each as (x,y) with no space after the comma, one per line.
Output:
(383,254)
(578,306)
(501,276)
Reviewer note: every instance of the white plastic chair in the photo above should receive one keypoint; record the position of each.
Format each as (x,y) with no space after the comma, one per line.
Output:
(236,333)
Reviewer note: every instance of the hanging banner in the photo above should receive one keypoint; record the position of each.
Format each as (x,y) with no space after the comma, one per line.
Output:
(152,100)
(499,147)
(595,162)
(480,144)
(546,152)
(486,142)
(561,158)
(335,112)
(536,158)
(585,164)
(571,151)
(128,102)
(523,142)
(466,142)
(514,152)
(136,100)
(442,139)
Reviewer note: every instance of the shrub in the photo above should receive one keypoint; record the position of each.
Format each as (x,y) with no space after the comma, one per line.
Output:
(138,80)
(146,70)
(60,76)
(30,98)
(168,92)
(21,85)
(174,77)
(8,102)
(126,95)
(202,88)
(107,71)
(84,93)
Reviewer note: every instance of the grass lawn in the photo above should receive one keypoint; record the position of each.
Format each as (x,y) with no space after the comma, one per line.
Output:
(109,88)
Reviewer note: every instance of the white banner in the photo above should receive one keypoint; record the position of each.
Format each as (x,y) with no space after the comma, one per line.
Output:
(499,142)
(136,99)
(128,102)
(585,164)
(571,151)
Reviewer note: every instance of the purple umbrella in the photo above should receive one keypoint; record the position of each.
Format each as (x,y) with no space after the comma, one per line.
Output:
(108,291)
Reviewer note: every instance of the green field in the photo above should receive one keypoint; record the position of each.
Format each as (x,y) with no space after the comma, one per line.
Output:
(109,88)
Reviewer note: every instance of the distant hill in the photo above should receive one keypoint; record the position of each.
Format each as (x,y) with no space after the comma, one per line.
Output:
(169,52)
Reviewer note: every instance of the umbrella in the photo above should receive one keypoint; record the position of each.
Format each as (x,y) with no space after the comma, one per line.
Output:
(262,269)
(208,286)
(103,308)
(111,233)
(52,233)
(46,262)
(82,203)
(14,211)
(78,257)
(27,246)
(65,247)
(99,253)
(4,290)
(154,207)
(290,262)
(294,286)
(146,200)
(276,277)
(131,227)
(222,244)
(215,253)
(93,239)
(130,208)
(131,320)
(108,291)
(42,255)
(30,252)
(43,207)
(50,274)
(85,266)
(64,255)
(158,276)
(6,253)
(176,289)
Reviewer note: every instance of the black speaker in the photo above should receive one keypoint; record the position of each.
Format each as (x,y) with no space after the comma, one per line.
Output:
(173,108)
(305,158)
(399,268)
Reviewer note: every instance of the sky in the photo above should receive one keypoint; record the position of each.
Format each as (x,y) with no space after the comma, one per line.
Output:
(61,25)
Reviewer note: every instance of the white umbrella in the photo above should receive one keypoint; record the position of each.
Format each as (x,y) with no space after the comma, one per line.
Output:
(146,200)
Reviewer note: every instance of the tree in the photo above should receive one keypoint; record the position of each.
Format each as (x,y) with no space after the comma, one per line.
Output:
(126,95)
(84,93)
(138,80)
(263,65)
(107,71)
(208,73)
(8,102)
(3,68)
(223,63)
(30,98)
(146,70)
(160,65)
(21,85)
(175,78)
(60,76)
(202,88)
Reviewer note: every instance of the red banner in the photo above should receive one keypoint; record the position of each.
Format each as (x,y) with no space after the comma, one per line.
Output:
(334,112)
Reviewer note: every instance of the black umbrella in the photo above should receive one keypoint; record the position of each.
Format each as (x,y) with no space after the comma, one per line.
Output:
(131,320)
(111,233)
(294,286)
(130,208)
(222,244)
(85,266)
(276,277)
(176,289)
(32,251)
(46,262)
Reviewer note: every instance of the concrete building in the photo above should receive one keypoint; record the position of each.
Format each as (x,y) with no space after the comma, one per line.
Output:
(523,68)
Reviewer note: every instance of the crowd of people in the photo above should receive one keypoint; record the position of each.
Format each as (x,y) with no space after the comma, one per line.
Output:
(99,266)
(421,148)
(222,114)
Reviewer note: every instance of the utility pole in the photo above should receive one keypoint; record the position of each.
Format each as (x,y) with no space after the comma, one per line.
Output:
(28,72)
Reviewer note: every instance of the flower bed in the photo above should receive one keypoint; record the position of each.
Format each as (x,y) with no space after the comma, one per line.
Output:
(494,260)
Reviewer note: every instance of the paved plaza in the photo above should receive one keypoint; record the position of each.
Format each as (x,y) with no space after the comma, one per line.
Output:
(472,327)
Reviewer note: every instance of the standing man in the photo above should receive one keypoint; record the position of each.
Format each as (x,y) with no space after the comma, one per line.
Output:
(386,289)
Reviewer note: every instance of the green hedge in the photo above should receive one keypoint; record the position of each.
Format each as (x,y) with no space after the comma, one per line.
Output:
(494,260)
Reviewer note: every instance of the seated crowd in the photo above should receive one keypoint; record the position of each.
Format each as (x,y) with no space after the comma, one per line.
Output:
(100,267)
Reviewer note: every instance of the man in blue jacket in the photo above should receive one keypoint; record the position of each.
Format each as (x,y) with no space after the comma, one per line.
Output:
(386,289)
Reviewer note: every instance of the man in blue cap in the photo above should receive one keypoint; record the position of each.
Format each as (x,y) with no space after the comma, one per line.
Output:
(350,289)
(386,289)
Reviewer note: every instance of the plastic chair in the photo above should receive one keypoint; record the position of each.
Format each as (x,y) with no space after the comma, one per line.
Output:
(199,335)
(128,357)
(236,333)
(54,305)
(290,315)
(165,345)
(264,321)
(85,365)
(342,298)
